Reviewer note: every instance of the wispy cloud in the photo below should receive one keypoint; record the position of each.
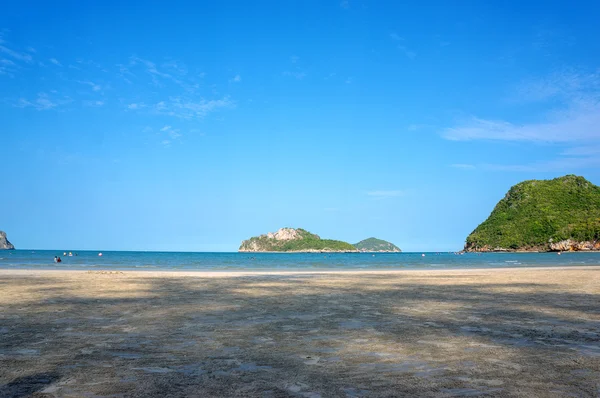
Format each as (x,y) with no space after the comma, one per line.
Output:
(296,74)
(386,194)
(42,102)
(93,103)
(15,54)
(55,61)
(135,106)
(187,108)
(575,118)
(173,133)
(152,69)
(564,164)
(410,54)
(8,67)
(463,166)
(235,79)
(345,4)
(581,121)
(94,86)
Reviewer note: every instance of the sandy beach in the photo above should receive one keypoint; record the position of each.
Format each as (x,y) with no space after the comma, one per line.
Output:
(501,332)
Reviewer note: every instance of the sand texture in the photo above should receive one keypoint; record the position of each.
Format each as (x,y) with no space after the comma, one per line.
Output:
(511,332)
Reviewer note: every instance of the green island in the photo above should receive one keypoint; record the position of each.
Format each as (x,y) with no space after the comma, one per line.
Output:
(294,240)
(376,245)
(300,240)
(562,214)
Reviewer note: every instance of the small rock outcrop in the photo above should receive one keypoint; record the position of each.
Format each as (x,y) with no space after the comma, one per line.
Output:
(294,240)
(4,243)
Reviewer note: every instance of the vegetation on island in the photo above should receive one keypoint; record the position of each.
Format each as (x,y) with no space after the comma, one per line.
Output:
(536,214)
(376,245)
(293,240)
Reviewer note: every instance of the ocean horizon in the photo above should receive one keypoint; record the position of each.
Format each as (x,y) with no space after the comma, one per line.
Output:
(231,261)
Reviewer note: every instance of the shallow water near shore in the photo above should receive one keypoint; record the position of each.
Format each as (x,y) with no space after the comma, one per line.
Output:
(130,260)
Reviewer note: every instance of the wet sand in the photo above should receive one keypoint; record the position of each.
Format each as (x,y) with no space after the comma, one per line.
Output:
(508,332)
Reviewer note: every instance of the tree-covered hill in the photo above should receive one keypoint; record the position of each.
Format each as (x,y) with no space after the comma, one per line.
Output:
(376,245)
(558,214)
(293,240)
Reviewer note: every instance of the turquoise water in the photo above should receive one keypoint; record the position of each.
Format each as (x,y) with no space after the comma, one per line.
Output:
(43,259)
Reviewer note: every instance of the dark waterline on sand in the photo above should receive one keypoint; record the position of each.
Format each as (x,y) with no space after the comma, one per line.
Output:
(170,261)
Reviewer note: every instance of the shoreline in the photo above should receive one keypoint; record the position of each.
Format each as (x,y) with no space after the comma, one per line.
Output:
(232,273)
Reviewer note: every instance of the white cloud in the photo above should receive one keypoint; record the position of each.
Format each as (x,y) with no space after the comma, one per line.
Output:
(575,118)
(580,122)
(402,47)
(565,164)
(152,70)
(166,142)
(42,102)
(135,106)
(386,194)
(236,79)
(564,85)
(174,134)
(463,166)
(176,67)
(297,74)
(94,86)
(93,103)
(16,55)
(187,108)
(8,67)
(408,52)
(55,61)
(165,128)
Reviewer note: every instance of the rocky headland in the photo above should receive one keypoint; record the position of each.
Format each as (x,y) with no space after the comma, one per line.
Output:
(4,243)
(562,214)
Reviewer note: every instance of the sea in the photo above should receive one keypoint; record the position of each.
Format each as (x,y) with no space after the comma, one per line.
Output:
(173,261)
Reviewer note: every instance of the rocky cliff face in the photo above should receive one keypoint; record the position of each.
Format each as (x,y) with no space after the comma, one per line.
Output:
(293,240)
(4,243)
(571,245)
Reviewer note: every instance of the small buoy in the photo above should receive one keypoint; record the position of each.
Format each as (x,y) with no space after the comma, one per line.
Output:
(559,253)
(423,255)
(100,254)
(64,253)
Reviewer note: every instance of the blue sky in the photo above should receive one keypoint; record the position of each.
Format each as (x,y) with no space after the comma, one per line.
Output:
(180,126)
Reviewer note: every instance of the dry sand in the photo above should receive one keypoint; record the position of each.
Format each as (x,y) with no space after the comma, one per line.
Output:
(510,332)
